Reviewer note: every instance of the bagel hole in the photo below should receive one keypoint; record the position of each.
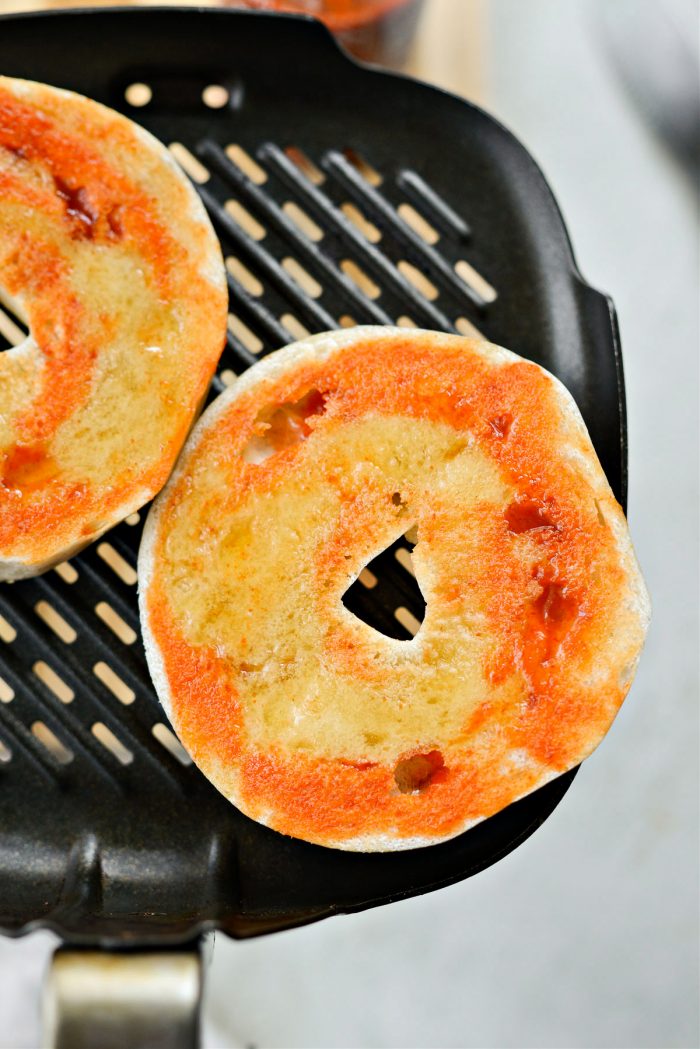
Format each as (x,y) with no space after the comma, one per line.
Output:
(387,597)
(414,774)
(282,426)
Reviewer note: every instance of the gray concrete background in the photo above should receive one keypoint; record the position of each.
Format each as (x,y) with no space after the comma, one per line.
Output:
(588,934)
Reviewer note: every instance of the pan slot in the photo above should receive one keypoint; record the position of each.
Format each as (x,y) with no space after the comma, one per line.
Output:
(363,167)
(403,556)
(117,563)
(243,333)
(418,223)
(66,571)
(368,579)
(132,519)
(305,165)
(407,620)
(53,682)
(5,753)
(431,203)
(115,623)
(171,743)
(244,277)
(12,333)
(189,163)
(302,221)
(346,321)
(114,683)
(52,743)
(55,621)
(7,694)
(475,281)
(360,279)
(245,163)
(465,327)
(302,277)
(7,631)
(368,230)
(109,741)
(181,91)
(215,96)
(243,218)
(138,95)
(406,322)
(419,280)
(227,377)
(294,326)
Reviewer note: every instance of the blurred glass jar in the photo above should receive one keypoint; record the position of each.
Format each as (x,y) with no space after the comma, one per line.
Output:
(378,31)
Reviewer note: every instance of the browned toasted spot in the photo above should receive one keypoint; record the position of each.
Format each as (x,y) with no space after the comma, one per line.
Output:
(418,771)
(283,426)
(27,467)
(79,207)
(526,515)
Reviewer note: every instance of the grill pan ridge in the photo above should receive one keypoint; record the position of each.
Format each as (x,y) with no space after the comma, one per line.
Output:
(108,835)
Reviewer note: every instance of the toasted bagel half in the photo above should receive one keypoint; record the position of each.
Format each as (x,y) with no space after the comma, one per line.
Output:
(323,454)
(107,255)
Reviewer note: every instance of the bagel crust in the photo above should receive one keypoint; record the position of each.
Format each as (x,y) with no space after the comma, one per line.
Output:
(107,255)
(324,453)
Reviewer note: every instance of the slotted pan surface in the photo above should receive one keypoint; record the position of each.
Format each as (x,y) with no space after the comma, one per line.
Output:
(358,197)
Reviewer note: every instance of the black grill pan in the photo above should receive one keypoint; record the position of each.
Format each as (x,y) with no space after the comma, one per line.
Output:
(105,835)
